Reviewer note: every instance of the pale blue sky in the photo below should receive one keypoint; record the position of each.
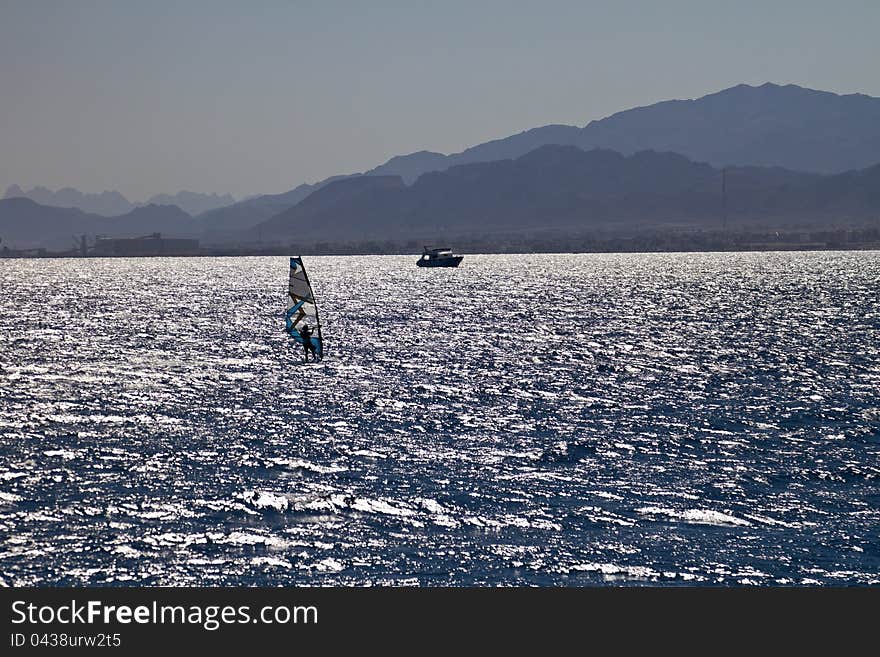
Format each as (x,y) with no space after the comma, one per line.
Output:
(254,97)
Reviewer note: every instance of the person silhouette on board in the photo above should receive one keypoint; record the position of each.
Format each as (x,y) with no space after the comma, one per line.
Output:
(308,346)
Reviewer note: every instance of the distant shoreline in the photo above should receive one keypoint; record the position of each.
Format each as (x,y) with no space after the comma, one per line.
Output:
(650,241)
(279,252)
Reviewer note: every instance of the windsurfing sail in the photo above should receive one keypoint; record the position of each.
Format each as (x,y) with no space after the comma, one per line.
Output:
(301,307)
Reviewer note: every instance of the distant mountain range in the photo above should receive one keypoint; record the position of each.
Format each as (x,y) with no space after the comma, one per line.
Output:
(27,224)
(111,204)
(227,220)
(564,188)
(794,155)
(193,203)
(557,189)
(105,203)
(770,125)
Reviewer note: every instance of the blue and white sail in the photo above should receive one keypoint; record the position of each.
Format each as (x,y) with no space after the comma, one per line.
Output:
(301,307)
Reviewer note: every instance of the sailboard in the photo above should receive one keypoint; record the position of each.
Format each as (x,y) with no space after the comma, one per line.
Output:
(301,307)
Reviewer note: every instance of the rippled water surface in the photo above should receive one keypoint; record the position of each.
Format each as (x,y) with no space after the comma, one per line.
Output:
(529,419)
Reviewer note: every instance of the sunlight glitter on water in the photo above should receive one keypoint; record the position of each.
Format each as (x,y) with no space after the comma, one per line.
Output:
(529,419)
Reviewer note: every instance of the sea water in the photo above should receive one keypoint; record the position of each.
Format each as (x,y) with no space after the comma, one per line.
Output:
(562,420)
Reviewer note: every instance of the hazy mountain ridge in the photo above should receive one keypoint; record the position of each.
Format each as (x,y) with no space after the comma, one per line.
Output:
(353,205)
(552,188)
(249,212)
(566,188)
(768,135)
(153,218)
(27,224)
(108,203)
(193,203)
(112,203)
(769,125)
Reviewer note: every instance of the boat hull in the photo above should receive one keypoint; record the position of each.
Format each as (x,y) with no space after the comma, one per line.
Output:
(440,262)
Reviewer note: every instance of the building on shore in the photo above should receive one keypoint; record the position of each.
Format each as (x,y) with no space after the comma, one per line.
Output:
(148,245)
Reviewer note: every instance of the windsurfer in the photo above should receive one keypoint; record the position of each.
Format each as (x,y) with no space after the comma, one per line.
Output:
(301,308)
(306,334)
